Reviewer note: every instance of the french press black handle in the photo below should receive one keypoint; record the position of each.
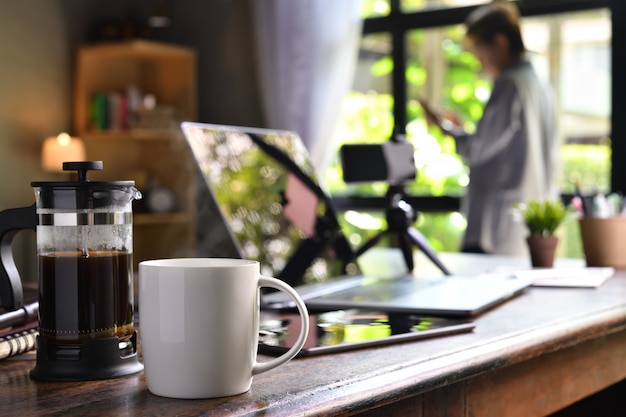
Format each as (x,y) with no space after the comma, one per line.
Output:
(13,221)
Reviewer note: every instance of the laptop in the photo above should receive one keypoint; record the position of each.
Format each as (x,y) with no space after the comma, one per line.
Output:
(278,212)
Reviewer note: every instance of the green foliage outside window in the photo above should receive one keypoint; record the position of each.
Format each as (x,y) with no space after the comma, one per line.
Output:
(367,117)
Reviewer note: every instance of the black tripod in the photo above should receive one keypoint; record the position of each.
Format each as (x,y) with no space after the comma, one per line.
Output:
(400,219)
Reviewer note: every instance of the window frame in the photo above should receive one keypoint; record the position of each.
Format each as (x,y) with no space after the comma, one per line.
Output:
(398,23)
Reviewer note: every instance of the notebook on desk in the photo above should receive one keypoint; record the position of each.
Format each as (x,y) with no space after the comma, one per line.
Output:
(279,214)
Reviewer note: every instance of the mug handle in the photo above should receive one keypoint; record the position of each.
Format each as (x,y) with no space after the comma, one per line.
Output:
(260,367)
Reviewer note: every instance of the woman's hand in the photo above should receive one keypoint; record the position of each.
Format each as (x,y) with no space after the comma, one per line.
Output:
(448,122)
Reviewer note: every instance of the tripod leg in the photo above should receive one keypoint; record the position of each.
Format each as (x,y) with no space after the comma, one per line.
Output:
(405,243)
(369,244)
(423,244)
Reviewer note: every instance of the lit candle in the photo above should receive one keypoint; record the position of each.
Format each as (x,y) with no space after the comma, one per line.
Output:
(59,149)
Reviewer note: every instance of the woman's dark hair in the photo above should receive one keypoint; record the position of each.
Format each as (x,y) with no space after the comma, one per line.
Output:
(498,17)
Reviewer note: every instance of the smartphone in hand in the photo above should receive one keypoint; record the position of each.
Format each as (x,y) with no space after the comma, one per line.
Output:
(449,123)
(432,116)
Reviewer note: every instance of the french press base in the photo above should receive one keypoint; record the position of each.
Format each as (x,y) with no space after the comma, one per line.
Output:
(101,358)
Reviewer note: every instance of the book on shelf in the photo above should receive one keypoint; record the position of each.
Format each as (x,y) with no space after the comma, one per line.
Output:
(123,110)
(109,111)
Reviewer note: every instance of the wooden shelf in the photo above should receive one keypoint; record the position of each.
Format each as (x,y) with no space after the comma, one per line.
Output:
(147,155)
(137,48)
(134,134)
(166,71)
(143,219)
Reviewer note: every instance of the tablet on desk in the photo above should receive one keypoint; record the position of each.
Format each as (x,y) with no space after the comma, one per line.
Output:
(339,331)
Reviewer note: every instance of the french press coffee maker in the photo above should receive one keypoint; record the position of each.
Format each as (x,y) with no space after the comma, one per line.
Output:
(84,251)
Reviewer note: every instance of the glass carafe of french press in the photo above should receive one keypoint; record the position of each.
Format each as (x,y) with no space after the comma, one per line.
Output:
(84,248)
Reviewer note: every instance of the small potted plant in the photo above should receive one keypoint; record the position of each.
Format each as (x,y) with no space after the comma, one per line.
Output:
(542,218)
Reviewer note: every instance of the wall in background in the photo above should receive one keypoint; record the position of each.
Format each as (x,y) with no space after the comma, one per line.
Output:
(37,45)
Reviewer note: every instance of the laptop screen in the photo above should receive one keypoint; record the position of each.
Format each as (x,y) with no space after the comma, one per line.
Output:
(266,189)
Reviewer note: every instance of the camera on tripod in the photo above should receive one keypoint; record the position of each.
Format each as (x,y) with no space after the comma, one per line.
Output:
(393,162)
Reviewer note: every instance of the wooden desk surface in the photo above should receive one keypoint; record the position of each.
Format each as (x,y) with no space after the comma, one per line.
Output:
(532,355)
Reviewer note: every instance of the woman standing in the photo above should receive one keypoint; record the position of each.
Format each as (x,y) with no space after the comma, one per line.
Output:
(512,156)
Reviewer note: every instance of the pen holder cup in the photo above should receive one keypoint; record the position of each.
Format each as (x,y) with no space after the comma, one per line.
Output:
(604,241)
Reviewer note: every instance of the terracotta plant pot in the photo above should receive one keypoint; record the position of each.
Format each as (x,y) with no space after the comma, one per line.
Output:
(604,241)
(542,250)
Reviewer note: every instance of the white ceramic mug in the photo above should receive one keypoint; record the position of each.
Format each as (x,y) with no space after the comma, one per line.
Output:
(199,325)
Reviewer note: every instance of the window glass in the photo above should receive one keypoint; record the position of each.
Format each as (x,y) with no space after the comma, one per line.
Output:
(442,72)
(375,8)
(570,50)
(367,112)
(584,85)
(585,55)
(408,6)
(563,52)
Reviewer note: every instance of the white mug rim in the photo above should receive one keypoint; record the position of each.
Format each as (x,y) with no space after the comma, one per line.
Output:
(198,263)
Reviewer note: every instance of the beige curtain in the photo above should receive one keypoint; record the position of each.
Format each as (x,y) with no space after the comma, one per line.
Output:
(307,54)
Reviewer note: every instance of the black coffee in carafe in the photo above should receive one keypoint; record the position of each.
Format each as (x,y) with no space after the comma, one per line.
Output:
(85,297)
